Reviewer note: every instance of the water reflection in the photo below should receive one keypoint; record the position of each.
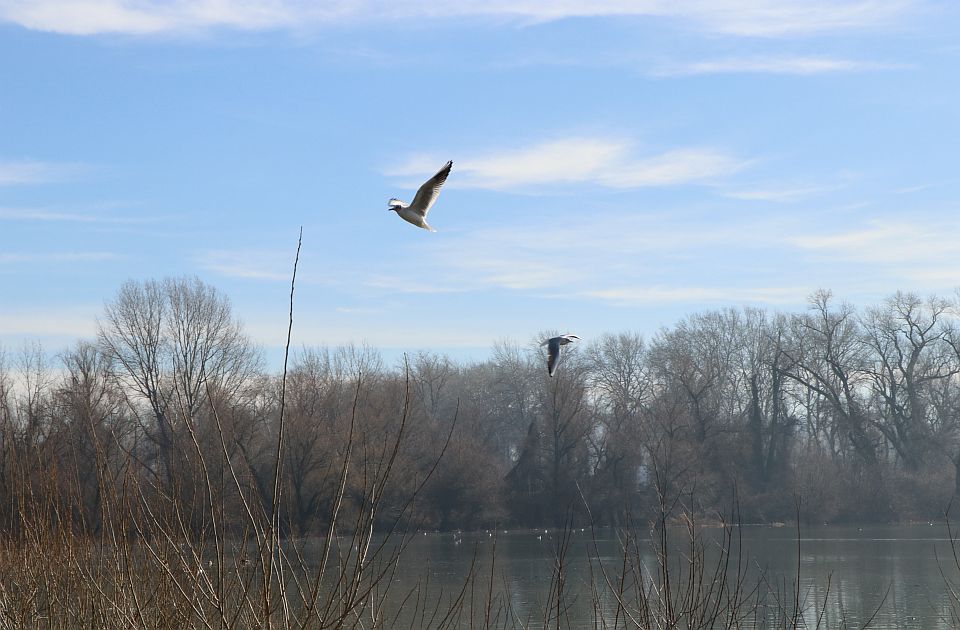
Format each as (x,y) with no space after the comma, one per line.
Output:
(888,575)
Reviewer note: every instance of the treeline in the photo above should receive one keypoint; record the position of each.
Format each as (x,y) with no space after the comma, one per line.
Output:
(855,413)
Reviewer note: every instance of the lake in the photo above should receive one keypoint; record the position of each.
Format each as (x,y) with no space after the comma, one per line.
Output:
(889,574)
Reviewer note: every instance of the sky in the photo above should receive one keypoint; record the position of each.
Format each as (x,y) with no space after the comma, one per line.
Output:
(617,164)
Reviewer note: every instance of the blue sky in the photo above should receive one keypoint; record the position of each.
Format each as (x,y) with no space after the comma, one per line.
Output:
(617,165)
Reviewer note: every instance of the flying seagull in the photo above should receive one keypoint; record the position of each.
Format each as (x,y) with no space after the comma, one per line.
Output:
(416,212)
(553,350)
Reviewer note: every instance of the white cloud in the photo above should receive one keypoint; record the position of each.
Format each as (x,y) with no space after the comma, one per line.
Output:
(940,278)
(659,294)
(136,17)
(398,284)
(649,261)
(778,195)
(786,18)
(358,310)
(600,161)
(707,256)
(10,258)
(754,18)
(772,65)
(59,321)
(883,241)
(570,160)
(909,190)
(602,254)
(917,252)
(913,249)
(240,270)
(247,264)
(54,216)
(337,331)
(24,172)
(679,166)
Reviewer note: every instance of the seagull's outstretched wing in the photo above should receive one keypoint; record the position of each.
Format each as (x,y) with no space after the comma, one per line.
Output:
(553,355)
(428,193)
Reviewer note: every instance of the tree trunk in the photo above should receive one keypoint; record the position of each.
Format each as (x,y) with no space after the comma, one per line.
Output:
(956,480)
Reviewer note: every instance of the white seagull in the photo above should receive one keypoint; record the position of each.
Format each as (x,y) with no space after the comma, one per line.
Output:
(416,212)
(553,350)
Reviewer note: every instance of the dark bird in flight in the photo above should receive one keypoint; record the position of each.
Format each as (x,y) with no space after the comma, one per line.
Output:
(553,350)
(416,211)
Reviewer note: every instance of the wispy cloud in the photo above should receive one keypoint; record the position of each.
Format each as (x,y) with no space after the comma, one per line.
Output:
(246,264)
(773,65)
(10,258)
(133,17)
(909,190)
(398,284)
(879,241)
(792,18)
(24,172)
(659,294)
(600,161)
(649,258)
(341,329)
(601,255)
(56,216)
(59,321)
(785,194)
(358,310)
(753,18)
(917,250)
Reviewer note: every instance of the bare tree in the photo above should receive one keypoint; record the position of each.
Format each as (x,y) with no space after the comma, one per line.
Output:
(8,441)
(317,407)
(911,353)
(694,357)
(761,365)
(91,430)
(621,389)
(554,456)
(828,357)
(432,376)
(168,341)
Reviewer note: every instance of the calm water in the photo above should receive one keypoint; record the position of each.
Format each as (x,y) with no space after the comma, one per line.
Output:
(890,568)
